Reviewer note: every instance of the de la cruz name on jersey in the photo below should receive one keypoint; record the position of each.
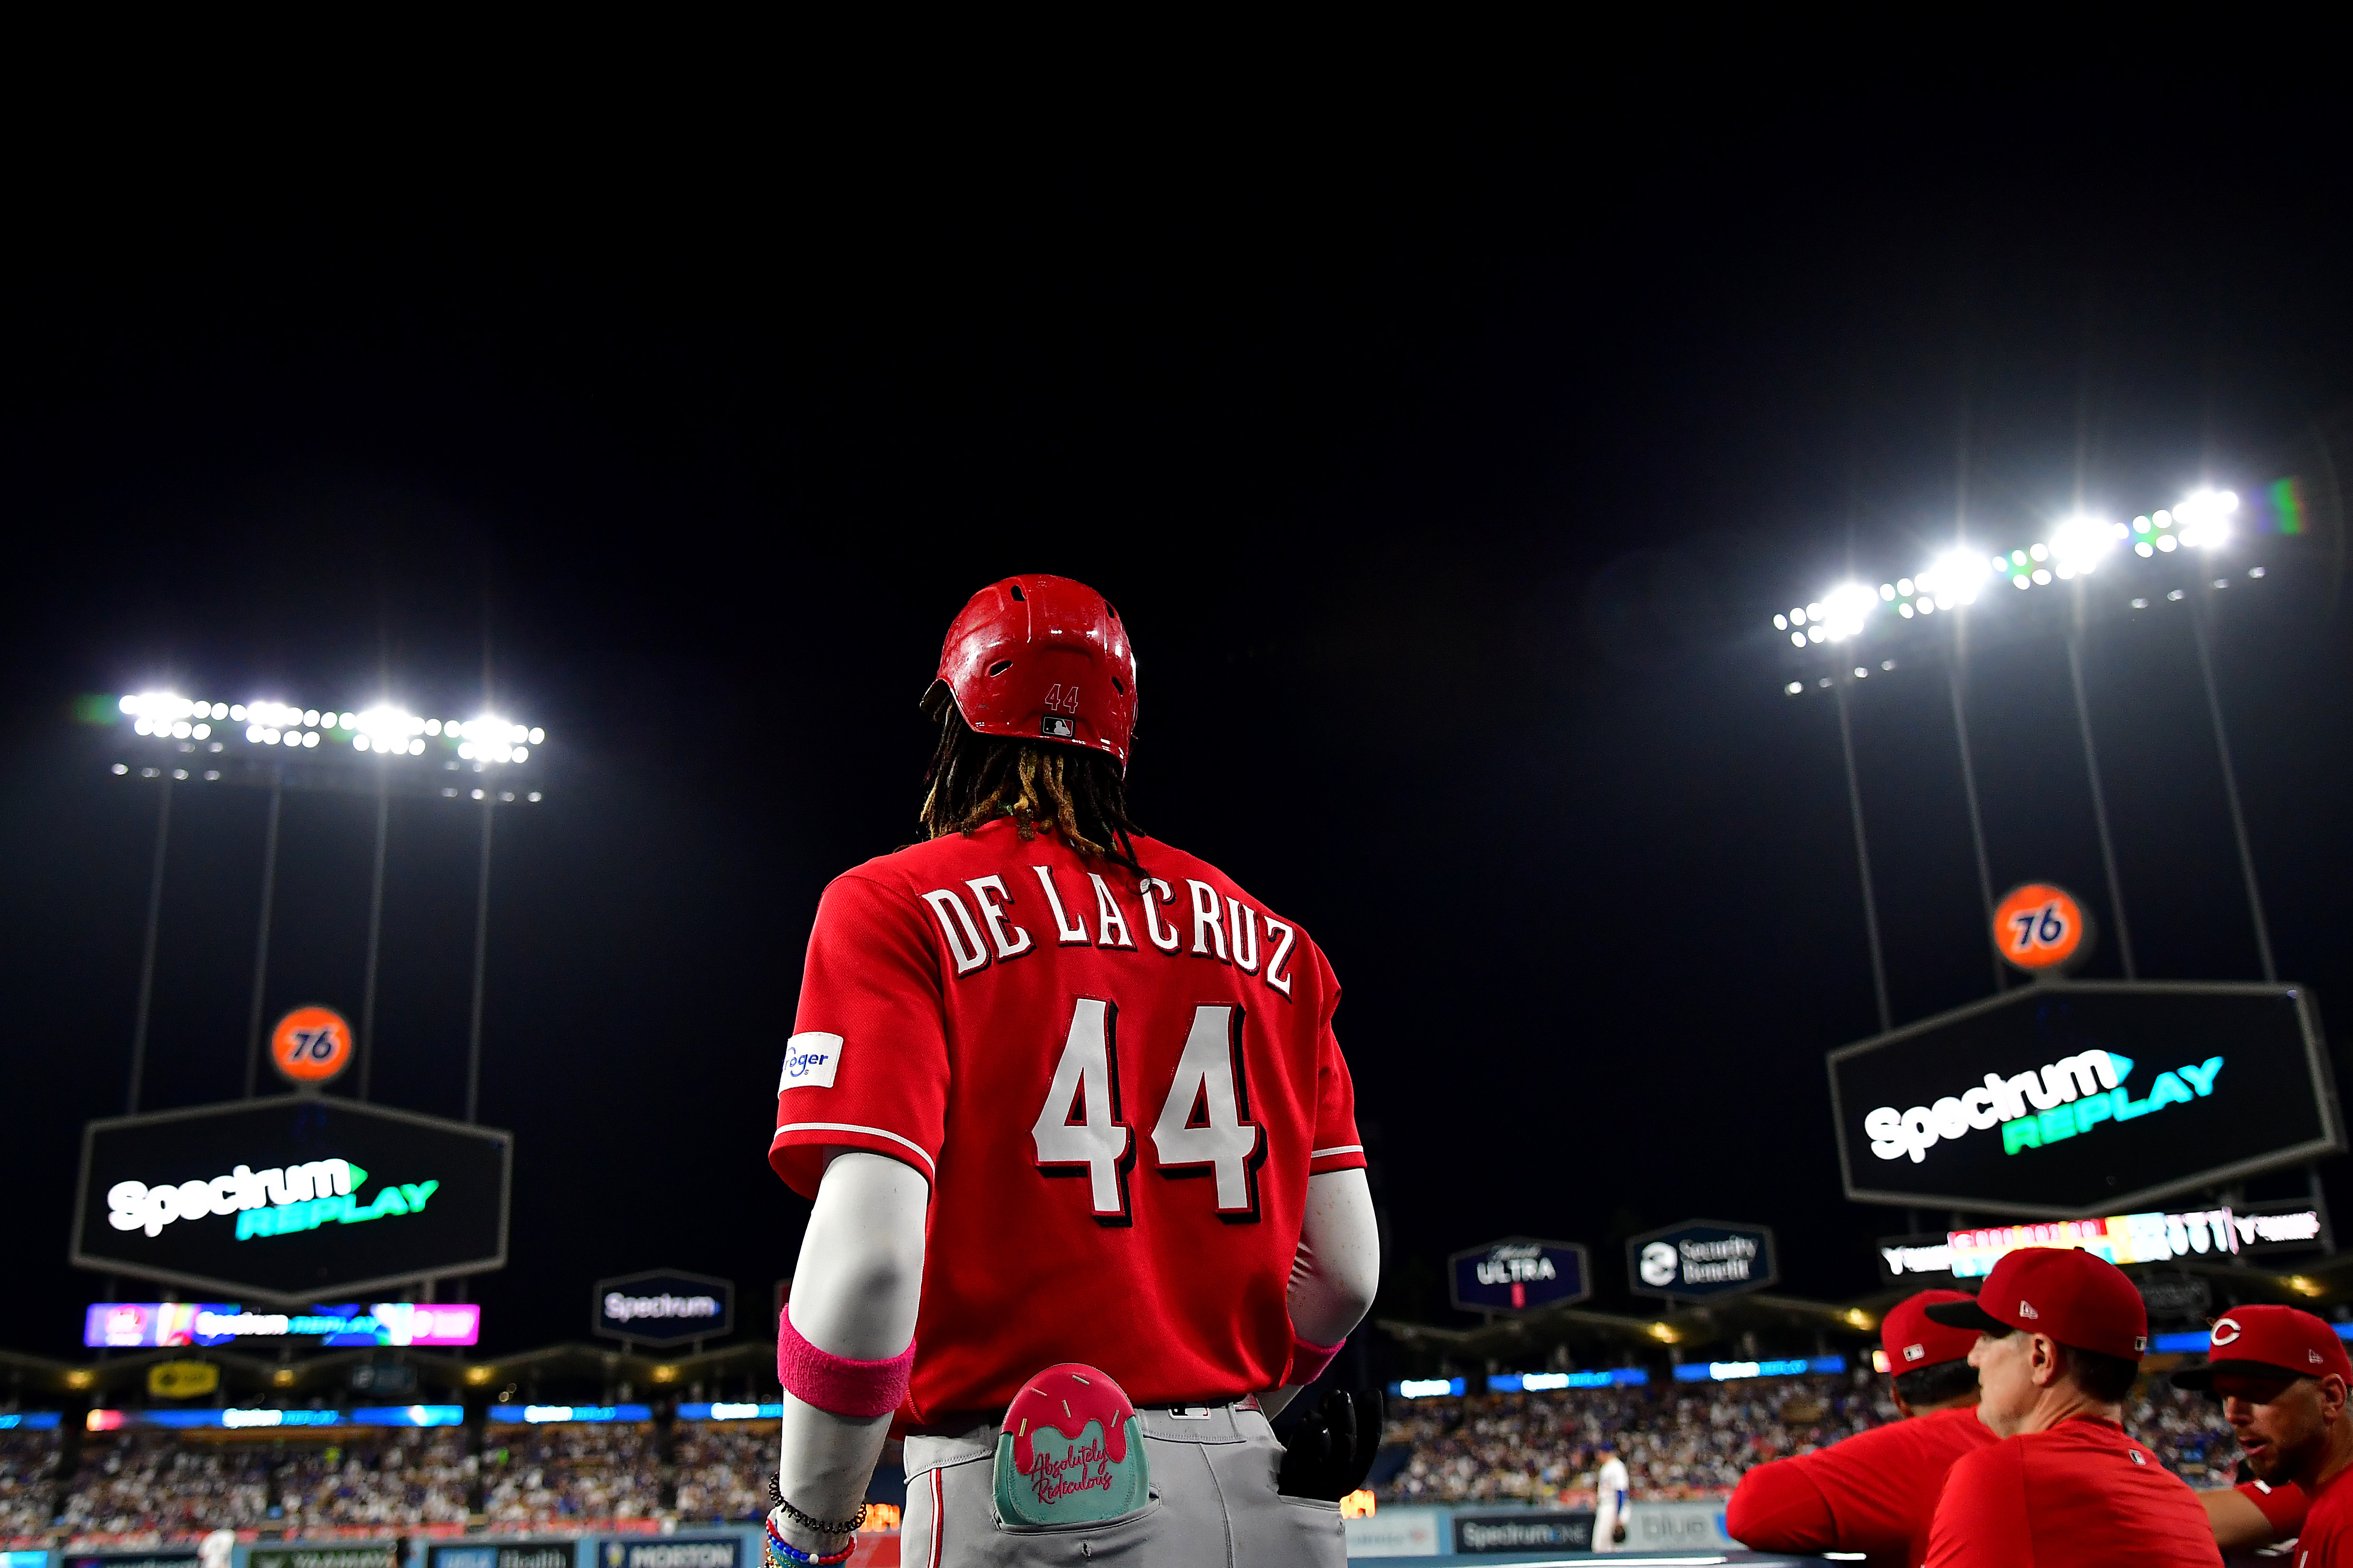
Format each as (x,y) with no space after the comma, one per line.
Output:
(1118,1086)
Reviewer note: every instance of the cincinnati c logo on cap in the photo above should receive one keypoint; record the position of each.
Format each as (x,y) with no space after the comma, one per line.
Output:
(2226,1330)
(1920,1352)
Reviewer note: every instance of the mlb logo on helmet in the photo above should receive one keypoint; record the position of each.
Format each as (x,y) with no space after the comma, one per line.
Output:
(1070,1451)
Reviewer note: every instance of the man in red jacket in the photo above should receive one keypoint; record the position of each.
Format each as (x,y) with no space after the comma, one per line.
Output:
(2061,1335)
(1876,1492)
(2282,1375)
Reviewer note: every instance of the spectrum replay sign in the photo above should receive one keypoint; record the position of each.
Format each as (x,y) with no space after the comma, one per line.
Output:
(299,1199)
(2069,1099)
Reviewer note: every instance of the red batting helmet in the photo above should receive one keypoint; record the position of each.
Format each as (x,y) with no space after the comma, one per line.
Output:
(1037,658)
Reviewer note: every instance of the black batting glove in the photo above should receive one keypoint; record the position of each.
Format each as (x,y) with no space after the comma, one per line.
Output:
(1331,1450)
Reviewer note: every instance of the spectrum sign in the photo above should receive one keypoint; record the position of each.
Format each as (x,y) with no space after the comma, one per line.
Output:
(295,1200)
(127,1325)
(2064,1099)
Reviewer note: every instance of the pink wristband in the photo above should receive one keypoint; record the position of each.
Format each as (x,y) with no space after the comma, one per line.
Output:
(835,1384)
(1308,1361)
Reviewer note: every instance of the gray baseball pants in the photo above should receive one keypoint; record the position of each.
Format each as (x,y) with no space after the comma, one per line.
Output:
(1213,1504)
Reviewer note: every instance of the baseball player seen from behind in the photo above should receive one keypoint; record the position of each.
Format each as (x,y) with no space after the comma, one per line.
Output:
(1876,1492)
(1089,1198)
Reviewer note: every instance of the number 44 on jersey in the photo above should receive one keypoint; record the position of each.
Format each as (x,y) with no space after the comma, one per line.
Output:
(1203,1130)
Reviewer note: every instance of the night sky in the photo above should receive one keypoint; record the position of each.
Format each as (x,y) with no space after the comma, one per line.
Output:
(1448,457)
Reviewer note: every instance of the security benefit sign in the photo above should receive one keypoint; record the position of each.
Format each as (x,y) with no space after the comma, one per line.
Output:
(663,1307)
(300,1199)
(2069,1099)
(1701,1259)
(1518,1274)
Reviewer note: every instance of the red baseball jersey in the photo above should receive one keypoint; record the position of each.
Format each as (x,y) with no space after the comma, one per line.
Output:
(2282,1506)
(1875,1493)
(2083,1494)
(2327,1540)
(1117,1087)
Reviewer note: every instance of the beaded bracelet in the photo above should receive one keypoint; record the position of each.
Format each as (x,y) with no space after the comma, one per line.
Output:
(822,1526)
(794,1555)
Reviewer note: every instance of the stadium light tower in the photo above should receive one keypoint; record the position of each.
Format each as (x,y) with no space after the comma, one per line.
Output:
(2167,556)
(381,751)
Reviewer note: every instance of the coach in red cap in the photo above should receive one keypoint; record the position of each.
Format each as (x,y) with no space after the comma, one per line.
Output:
(1876,1492)
(2061,1335)
(2282,1376)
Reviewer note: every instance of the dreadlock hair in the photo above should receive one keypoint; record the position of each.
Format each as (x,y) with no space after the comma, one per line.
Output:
(1077,791)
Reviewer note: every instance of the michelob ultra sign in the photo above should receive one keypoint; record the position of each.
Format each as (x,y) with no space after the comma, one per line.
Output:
(302,1198)
(2068,1099)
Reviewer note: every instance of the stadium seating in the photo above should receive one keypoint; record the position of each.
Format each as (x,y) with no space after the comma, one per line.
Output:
(28,1484)
(143,1483)
(720,1468)
(567,1474)
(1680,1441)
(1686,1441)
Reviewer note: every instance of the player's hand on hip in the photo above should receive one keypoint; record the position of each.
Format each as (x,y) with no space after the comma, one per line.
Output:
(1331,1450)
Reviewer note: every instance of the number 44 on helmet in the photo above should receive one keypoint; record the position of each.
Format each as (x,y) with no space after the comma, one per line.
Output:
(1040,658)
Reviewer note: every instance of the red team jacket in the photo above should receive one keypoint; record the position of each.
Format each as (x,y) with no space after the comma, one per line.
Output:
(1117,1092)
(1873,1493)
(2080,1495)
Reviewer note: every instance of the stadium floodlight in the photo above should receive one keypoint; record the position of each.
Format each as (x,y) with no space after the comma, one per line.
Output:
(2075,548)
(382,750)
(1955,578)
(2204,519)
(2078,545)
(385,729)
(1846,610)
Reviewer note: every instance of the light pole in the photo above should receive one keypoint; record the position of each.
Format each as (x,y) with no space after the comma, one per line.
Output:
(1852,625)
(380,753)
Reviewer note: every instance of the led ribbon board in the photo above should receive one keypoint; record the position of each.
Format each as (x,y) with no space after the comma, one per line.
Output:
(298,1199)
(126,1325)
(2062,1100)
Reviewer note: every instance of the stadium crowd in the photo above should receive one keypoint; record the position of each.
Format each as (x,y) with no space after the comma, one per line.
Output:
(1679,1441)
(28,1483)
(563,1474)
(142,1483)
(1683,1441)
(719,1467)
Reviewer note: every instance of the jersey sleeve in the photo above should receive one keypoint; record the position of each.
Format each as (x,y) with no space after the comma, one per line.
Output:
(1778,1508)
(1337,1145)
(2284,1506)
(867,1066)
(1981,1516)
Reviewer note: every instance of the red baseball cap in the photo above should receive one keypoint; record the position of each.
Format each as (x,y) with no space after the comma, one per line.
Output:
(1915,1340)
(2061,1292)
(2270,1338)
